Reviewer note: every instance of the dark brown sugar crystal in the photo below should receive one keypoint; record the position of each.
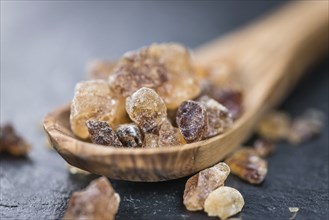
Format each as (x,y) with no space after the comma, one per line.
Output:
(101,133)
(229,96)
(306,126)
(219,117)
(11,142)
(192,121)
(130,135)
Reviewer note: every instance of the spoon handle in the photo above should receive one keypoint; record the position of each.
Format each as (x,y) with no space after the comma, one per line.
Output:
(271,55)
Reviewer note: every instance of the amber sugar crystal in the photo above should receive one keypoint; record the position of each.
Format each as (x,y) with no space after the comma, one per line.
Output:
(169,135)
(97,201)
(93,100)
(274,126)
(246,164)
(224,202)
(199,186)
(150,140)
(166,68)
(147,109)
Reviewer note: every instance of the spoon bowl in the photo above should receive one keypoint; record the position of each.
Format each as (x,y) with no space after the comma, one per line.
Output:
(270,56)
(138,164)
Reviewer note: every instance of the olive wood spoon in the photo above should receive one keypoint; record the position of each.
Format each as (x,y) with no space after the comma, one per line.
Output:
(269,55)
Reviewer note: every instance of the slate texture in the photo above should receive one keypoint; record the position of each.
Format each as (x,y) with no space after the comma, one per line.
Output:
(44,48)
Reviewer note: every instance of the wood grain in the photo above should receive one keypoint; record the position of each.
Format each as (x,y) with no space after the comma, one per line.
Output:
(270,56)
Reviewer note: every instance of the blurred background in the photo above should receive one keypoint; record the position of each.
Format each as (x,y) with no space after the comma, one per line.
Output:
(45,46)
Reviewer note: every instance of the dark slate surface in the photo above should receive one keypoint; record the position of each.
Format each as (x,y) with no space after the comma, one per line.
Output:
(44,47)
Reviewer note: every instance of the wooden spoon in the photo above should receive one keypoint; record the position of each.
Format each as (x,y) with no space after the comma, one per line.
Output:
(270,56)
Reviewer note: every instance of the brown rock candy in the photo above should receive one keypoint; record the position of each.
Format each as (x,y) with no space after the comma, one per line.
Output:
(230,96)
(247,165)
(192,121)
(169,135)
(263,147)
(232,99)
(199,186)
(274,126)
(166,68)
(150,140)
(130,135)
(219,118)
(182,83)
(97,201)
(146,108)
(175,57)
(93,100)
(101,133)
(179,89)
(306,126)
(224,202)
(100,69)
(135,70)
(11,142)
